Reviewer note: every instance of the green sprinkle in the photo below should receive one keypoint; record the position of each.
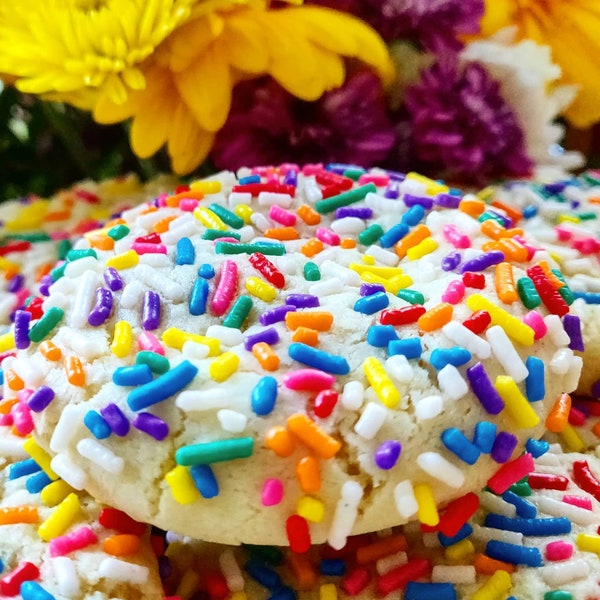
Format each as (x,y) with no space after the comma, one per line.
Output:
(311,271)
(118,232)
(73,255)
(215,234)
(371,234)
(486,216)
(268,554)
(587,216)
(218,451)
(411,296)
(527,292)
(353,173)
(589,178)
(263,248)
(521,488)
(238,312)
(558,595)
(344,199)
(58,272)
(50,319)
(565,291)
(64,247)
(38,236)
(158,364)
(227,216)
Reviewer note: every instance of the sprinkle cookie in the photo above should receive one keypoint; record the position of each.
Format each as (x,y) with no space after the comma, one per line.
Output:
(296,356)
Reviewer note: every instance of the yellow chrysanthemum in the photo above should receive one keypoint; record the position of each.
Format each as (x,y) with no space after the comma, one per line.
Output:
(571,29)
(191,76)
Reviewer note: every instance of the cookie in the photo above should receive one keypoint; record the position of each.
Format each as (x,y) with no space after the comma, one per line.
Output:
(294,356)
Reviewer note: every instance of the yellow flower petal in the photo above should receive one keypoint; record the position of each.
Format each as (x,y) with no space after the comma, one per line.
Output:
(243,40)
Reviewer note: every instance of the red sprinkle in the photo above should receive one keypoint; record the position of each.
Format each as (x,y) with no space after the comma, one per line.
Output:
(576,417)
(35,308)
(151,238)
(552,300)
(356,581)
(10,584)
(474,280)
(478,322)
(585,479)
(402,316)
(17,246)
(112,518)
(399,577)
(325,403)
(457,513)
(545,481)
(510,472)
(256,188)
(270,272)
(326,178)
(298,534)
(216,585)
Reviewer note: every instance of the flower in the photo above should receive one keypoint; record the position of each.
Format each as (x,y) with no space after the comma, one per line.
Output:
(191,75)
(461,126)
(267,125)
(436,25)
(571,30)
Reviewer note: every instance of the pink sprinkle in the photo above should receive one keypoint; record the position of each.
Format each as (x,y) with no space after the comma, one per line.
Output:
(308,379)
(188,204)
(162,200)
(510,473)
(59,235)
(577,417)
(327,236)
(559,550)
(6,420)
(454,236)
(272,492)
(562,233)
(536,322)
(143,248)
(454,292)
(148,341)
(579,501)
(312,169)
(229,240)
(380,180)
(586,245)
(75,540)
(22,420)
(272,178)
(226,288)
(21,296)
(281,215)
(531,250)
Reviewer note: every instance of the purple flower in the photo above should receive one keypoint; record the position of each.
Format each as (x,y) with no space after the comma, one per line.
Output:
(267,125)
(461,127)
(434,24)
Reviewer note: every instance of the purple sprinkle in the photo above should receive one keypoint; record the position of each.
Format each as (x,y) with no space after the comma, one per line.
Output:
(291,177)
(483,261)
(275,315)
(151,311)
(113,279)
(22,320)
(360,212)
(483,389)
(387,454)
(412,200)
(392,191)
(368,289)
(116,419)
(506,221)
(268,336)
(447,200)
(595,391)
(45,284)
(302,300)
(15,283)
(103,307)
(555,187)
(152,425)
(395,175)
(40,399)
(504,445)
(451,261)
(572,326)
(165,568)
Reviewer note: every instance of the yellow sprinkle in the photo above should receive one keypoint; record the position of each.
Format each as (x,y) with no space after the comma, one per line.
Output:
(209,219)
(588,542)
(7,341)
(459,552)
(206,186)
(311,509)
(571,439)
(224,367)
(424,247)
(122,339)
(487,193)
(495,588)
(127,260)
(30,216)
(54,493)
(517,406)
(182,485)
(514,327)
(261,289)
(368,259)
(392,285)
(176,338)
(41,457)
(188,583)
(244,212)
(427,512)
(8,265)
(380,271)
(328,591)
(61,518)
(238,596)
(564,218)
(431,187)
(96,232)
(381,383)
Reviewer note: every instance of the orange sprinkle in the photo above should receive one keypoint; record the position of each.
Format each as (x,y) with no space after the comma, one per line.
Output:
(554,280)
(488,566)
(472,206)
(309,215)
(489,246)
(320,442)
(312,247)
(266,356)
(416,235)
(50,351)
(18,514)
(149,208)
(594,200)
(505,283)
(57,215)
(280,440)
(122,544)
(74,370)
(305,573)
(309,474)
(43,270)
(101,241)
(163,225)
(493,229)
(114,222)
(558,417)
(281,233)
(14,382)
(347,243)
(319,320)
(189,195)
(306,335)
(513,250)
(511,211)
(11,271)
(436,317)
(6,405)
(381,548)
(596,429)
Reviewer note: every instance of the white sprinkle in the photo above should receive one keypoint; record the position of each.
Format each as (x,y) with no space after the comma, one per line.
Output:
(184,226)
(462,336)
(12,447)
(100,455)
(231,571)
(459,574)
(55,299)
(428,407)
(194,350)
(493,503)
(246,233)
(348,226)
(78,267)
(28,372)
(399,368)
(372,418)
(327,287)
(260,221)
(312,191)
(156,260)
(431,540)
(384,205)
(236,198)
(439,468)
(404,497)
(131,214)
(147,221)
(353,395)
(167,288)
(229,336)
(452,383)
(66,427)
(132,294)
(289,264)
(485,534)
(84,297)
(346,511)
(66,576)
(66,469)
(383,256)
(348,276)
(7,305)
(113,568)
(556,508)
(387,563)
(270,198)
(561,361)
(571,378)
(88,345)
(231,420)
(505,353)
(556,331)
(565,572)
(191,400)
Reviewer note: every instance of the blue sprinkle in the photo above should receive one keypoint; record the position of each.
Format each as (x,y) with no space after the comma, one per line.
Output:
(536,527)
(525,509)
(537,447)
(456,441)
(162,387)
(205,480)
(249,179)
(198,297)
(393,235)
(535,388)
(380,335)
(283,593)
(95,422)
(332,566)
(485,436)
(31,590)
(186,253)
(588,297)
(464,532)
(318,359)
(371,304)
(530,211)
(1,377)
(264,396)
(457,356)
(22,468)
(37,482)
(206,271)
(410,347)
(263,574)
(132,375)
(1,566)
(429,591)
(514,554)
